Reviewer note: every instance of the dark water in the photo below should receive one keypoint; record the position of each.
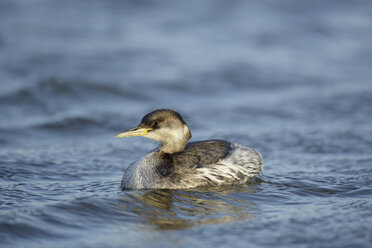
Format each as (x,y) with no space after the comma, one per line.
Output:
(290,78)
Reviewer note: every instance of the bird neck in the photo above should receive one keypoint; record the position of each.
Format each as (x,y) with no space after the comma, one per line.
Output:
(173,147)
(176,141)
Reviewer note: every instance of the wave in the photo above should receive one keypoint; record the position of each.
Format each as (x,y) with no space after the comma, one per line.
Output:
(52,89)
(81,120)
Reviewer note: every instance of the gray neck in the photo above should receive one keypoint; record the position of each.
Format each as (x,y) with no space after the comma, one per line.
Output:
(177,142)
(142,173)
(173,146)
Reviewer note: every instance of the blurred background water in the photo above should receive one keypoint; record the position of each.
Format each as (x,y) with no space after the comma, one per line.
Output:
(290,78)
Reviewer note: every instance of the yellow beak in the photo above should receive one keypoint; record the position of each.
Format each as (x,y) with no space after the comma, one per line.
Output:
(137,131)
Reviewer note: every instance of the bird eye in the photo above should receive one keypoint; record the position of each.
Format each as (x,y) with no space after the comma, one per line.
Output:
(155,124)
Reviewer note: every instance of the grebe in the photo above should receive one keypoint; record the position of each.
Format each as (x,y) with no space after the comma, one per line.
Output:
(176,164)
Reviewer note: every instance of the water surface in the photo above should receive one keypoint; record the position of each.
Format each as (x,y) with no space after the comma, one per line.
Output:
(290,78)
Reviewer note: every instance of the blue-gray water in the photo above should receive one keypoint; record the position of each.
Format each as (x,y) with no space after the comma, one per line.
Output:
(290,78)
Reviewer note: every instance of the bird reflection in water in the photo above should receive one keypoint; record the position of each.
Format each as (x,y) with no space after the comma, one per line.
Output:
(177,209)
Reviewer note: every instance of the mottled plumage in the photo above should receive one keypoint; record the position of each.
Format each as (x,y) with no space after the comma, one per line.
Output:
(178,165)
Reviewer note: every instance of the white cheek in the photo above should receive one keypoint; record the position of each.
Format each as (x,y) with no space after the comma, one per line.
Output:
(177,134)
(155,135)
(167,135)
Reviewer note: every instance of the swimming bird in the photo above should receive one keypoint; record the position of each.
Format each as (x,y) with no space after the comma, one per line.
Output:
(177,164)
